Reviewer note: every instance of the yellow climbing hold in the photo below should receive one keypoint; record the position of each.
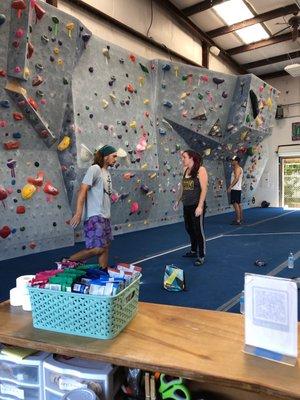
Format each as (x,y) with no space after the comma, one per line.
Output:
(113,97)
(152,176)
(56,50)
(70,27)
(183,95)
(104,103)
(207,152)
(132,124)
(244,135)
(26,72)
(144,166)
(176,69)
(64,144)
(269,103)
(28,191)
(146,101)
(141,80)
(60,61)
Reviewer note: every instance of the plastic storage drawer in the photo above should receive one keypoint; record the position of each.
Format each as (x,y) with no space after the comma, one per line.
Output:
(12,391)
(63,375)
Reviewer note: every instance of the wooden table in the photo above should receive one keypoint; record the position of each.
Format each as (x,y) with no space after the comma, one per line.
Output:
(204,346)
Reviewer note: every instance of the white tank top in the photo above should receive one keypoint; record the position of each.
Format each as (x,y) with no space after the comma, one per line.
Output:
(238,185)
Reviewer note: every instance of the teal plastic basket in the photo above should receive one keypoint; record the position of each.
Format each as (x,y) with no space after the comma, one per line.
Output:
(101,317)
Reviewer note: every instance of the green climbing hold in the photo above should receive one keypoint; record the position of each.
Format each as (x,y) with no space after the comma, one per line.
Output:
(248,118)
(184,77)
(200,96)
(65,81)
(144,68)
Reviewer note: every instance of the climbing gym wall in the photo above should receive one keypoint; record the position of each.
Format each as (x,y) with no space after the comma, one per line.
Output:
(64,93)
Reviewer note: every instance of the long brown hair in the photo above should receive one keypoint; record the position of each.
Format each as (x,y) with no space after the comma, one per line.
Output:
(197,159)
(98,159)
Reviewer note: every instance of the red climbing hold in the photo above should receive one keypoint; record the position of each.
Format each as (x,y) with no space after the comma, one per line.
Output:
(3,195)
(38,181)
(18,116)
(39,12)
(32,245)
(11,145)
(19,5)
(33,103)
(21,210)
(132,57)
(2,73)
(130,88)
(50,189)
(5,231)
(30,50)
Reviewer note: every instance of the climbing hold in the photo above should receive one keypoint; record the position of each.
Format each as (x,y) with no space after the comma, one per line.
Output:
(224,95)
(166,67)
(162,131)
(144,68)
(144,189)
(132,124)
(32,103)
(127,176)
(70,27)
(50,189)
(167,104)
(11,145)
(38,181)
(18,116)
(37,80)
(3,195)
(19,5)
(254,104)
(28,191)
(55,21)
(39,12)
(132,57)
(4,104)
(218,81)
(85,37)
(146,101)
(113,97)
(44,39)
(11,164)
(5,231)
(104,103)
(134,207)
(20,210)
(114,197)
(121,153)
(105,52)
(65,81)
(207,152)
(130,88)
(2,19)
(64,144)
(20,33)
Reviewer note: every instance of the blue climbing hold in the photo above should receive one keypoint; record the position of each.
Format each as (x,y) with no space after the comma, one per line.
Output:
(4,104)
(167,104)
(17,135)
(2,19)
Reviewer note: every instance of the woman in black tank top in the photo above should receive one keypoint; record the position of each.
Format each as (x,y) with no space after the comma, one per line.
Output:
(192,194)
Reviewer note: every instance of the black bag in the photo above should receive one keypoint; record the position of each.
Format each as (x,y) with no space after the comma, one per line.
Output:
(265,204)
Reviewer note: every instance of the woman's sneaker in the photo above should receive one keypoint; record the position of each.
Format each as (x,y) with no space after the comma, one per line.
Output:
(190,254)
(199,261)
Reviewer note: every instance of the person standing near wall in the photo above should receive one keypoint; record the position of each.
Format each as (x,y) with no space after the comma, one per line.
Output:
(192,193)
(94,195)
(235,189)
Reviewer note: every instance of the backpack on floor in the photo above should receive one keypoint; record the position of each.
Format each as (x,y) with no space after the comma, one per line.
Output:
(174,279)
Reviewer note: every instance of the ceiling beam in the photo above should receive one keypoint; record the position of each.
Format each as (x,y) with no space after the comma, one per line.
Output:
(199,7)
(125,28)
(279,12)
(272,60)
(52,2)
(185,23)
(272,75)
(261,43)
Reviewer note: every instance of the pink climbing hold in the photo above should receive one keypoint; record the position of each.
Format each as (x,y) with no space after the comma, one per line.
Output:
(17,70)
(20,33)
(38,181)
(3,195)
(50,189)
(134,207)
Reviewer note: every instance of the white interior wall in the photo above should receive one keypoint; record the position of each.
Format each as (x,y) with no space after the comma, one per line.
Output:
(137,15)
(281,135)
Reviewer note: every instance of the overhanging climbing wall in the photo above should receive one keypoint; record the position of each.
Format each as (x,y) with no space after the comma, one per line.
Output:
(63,93)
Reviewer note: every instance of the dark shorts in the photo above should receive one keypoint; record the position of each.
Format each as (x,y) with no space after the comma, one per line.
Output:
(97,232)
(235,196)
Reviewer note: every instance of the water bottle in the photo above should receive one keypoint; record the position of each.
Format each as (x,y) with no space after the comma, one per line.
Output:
(242,303)
(291,260)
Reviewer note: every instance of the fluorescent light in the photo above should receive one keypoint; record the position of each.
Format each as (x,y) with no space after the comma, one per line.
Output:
(252,33)
(234,11)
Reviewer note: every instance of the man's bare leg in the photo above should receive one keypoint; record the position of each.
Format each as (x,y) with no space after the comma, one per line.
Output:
(103,258)
(87,253)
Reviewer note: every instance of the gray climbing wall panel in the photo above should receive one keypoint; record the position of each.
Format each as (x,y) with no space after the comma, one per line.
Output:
(63,93)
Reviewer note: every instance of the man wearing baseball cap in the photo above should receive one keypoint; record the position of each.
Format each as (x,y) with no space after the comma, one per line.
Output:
(94,195)
(235,189)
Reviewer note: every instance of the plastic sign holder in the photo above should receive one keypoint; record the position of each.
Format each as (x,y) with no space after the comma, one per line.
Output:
(271,318)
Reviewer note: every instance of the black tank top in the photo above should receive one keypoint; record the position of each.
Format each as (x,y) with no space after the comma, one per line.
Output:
(191,190)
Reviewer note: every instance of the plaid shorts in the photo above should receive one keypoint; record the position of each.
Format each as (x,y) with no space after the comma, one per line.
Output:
(97,232)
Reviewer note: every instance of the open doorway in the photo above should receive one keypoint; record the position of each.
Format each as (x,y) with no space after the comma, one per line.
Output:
(290,182)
